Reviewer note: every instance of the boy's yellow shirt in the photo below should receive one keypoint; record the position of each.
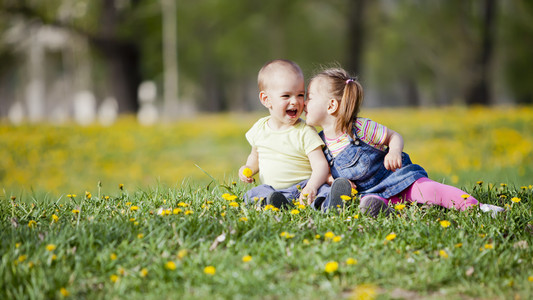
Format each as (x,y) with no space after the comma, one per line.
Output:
(283,160)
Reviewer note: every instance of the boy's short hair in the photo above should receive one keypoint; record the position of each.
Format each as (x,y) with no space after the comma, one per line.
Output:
(269,67)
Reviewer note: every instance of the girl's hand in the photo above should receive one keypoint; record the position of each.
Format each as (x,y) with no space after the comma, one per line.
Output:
(393,161)
(246,174)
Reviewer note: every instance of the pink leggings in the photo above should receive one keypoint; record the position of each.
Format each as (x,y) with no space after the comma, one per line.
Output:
(427,191)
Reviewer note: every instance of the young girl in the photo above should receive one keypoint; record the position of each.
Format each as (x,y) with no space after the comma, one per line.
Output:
(370,154)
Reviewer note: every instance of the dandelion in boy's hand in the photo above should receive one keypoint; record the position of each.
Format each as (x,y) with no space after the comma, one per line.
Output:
(443,254)
(246,258)
(399,207)
(390,236)
(351,261)
(170,265)
(210,270)
(247,172)
(64,292)
(50,247)
(445,223)
(331,267)
(515,199)
(346,198)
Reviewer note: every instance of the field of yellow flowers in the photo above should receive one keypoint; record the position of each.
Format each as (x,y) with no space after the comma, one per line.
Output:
(155,212)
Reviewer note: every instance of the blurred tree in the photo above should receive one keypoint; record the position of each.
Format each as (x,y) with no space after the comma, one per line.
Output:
(356,35)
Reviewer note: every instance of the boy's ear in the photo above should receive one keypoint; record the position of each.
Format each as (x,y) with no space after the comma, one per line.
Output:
(263,97)
(333,106)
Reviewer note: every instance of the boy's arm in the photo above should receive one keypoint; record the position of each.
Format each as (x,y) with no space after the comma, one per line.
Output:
(319,175)
(393,159)
(252,163)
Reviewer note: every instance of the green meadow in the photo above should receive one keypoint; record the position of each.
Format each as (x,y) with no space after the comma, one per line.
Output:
(156,213)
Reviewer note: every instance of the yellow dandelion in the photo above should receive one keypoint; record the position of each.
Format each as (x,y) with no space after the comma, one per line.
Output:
(346,198)
(295,212)
(121,186)
(465,196)
(354,192)
(284,233)
(234,204)
(246,258)
(106,197)
(390,236)
(458,245)
(132,219)
(331,267)
(222,214)
(134,208)
(503,185)
(113,256)
(515,199)
(489,246)
(32,223)
(183,204)
(329,235)
(51,247)
(170,265)
(55,218)
(243,219)
(443,254)
(351,261)
(301,206)
(482,235)
(140,235)
(182,253)
(210,270)
(445,223)
(337,239)
(247,172)
(268,207)
(189,212)
(75,211)
(121,271)
(17,245)
(305,241)
(480,182)
(365,292)
(399,206)
(275,209)
(143,272)
(317,236)
(114,278)
(64,292)
(530,278)
(176,211)
(54,257)
(356,216)
(22,258)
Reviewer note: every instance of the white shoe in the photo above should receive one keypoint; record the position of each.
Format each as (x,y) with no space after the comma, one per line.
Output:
(493,209)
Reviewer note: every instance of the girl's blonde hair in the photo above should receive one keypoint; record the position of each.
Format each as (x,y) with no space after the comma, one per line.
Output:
(349,92)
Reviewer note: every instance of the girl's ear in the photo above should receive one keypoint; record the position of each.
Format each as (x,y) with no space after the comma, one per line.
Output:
(333,106)
(263,97)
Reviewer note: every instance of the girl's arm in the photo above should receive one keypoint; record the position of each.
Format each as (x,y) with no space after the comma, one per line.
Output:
(319,175)
(393,159)
(252,163)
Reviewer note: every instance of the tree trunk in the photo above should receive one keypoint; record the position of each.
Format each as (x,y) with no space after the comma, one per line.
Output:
(356,36)
(479,91)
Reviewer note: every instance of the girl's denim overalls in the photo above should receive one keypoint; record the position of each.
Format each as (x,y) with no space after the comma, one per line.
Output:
(364,165)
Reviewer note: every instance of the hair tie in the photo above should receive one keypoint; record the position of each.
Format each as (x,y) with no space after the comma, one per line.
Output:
(349,80)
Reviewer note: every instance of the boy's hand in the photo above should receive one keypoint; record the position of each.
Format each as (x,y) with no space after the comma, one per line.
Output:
(307,196)
(246,174)
(393,160)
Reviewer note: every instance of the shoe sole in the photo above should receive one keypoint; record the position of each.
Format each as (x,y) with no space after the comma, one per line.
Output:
(340,187)
(374,206)
(277,200)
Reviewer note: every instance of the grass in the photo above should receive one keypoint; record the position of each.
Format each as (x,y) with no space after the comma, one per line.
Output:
(154,236)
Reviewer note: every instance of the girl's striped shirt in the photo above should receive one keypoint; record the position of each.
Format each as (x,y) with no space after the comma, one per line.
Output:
(368,131)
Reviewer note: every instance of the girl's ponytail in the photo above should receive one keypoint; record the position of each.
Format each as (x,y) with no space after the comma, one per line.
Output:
(352,98)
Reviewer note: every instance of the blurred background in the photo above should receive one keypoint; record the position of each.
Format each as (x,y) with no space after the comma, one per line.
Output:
(88,61)
(452,76)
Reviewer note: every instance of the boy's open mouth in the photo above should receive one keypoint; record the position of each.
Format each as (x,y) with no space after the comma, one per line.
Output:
(292,112)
